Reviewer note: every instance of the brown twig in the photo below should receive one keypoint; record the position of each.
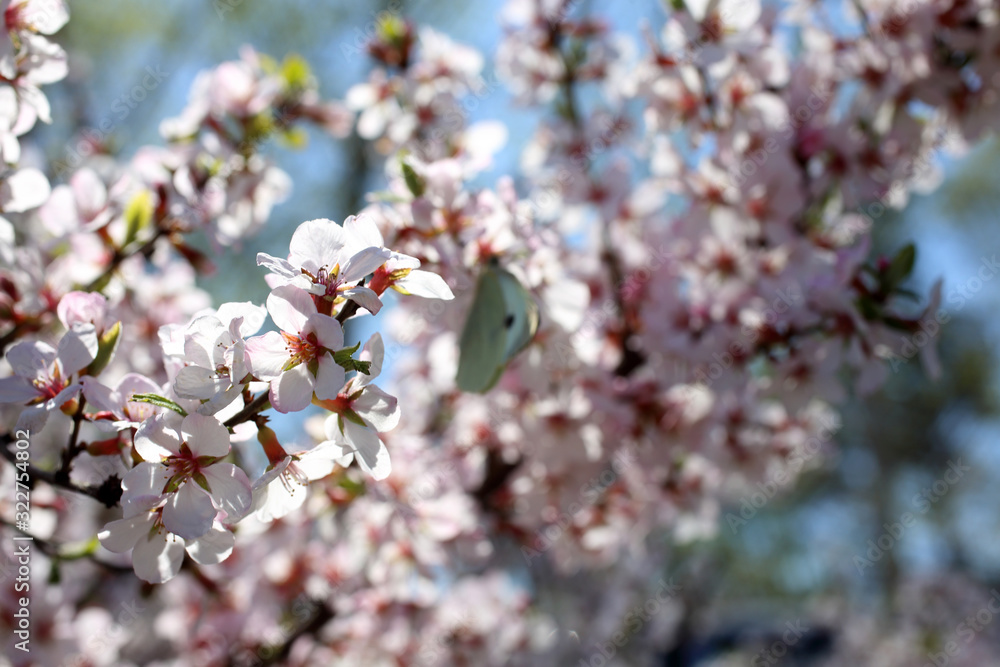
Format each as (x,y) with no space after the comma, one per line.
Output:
(251,409)
(108,493)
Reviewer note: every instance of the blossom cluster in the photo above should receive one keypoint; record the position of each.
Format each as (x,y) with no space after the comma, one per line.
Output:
(692,220)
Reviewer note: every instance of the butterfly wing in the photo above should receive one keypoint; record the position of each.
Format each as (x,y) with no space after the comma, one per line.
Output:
(484,337)
(521,316)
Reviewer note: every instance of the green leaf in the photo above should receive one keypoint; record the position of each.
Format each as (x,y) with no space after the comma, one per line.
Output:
(414,182)
(868,308)
(345,358)
(346,353)
(295,72)
(138,215)
(901,266)
(159,401)
(106,347)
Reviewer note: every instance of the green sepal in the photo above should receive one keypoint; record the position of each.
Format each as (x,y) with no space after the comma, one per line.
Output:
(414,183)
(106,346)
(200,479)
(353,417)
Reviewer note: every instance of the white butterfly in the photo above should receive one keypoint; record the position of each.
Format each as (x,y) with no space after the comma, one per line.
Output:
(502,321)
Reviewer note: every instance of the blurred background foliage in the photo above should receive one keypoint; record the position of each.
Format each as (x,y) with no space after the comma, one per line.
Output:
(799,551)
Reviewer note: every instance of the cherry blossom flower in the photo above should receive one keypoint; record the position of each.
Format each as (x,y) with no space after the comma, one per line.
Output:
(157,553)
(43,375)
(399,272)
(182,462)
(298,361)
(323,261)
(117,401)
(82,205)
(83,308)
(214,355)
(361,412)
(283,487)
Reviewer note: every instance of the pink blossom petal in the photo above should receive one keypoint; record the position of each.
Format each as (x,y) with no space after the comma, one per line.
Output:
(363,231)
(77,348)
(370,451)
(230,490)
(31,359)
(290,307)
(159,437)
(424,284)
(17,389)
(121,535)
(205,436)
(212,547)
(329,332)
(143,486)
(293,390)
(267,355)
(329,378)
(277,266)
(364,297)
(377,408)
(373,351)
(316,244)
(362,263)
(189,512)
(157,557)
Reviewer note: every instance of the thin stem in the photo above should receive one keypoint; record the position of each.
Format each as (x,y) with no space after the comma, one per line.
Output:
(258,404)
(145,250)
(73,447)
(108,493)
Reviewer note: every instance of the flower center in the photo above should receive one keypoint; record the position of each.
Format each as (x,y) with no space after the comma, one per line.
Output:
(184,464)
(49,387)
(301,349)
(329,278)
